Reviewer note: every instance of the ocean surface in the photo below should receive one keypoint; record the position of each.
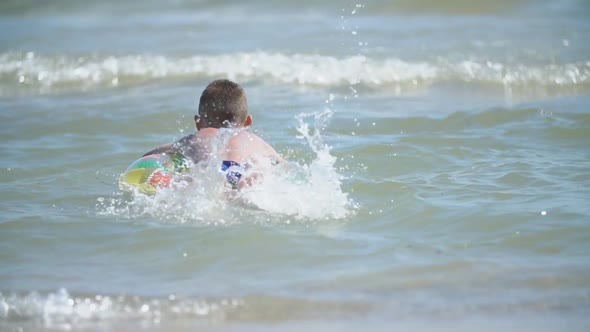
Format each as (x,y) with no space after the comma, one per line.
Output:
(438,175)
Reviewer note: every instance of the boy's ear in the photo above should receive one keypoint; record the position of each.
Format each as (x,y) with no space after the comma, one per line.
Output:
(198,122)
(248,121)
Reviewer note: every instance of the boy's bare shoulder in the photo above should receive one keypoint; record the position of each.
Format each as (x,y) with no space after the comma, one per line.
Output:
(247,138)
(254,145)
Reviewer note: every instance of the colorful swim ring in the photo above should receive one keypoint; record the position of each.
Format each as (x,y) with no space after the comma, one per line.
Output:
(150,173)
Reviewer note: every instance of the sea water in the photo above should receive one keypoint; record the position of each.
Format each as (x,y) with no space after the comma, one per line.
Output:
(438,174)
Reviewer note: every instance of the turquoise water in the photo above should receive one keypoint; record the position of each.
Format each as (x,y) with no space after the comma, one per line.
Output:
(438,179)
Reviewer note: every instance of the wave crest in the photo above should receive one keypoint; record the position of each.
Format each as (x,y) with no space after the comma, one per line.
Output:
(47,73)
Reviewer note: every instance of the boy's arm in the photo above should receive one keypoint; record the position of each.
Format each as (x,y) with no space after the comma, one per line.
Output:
(167,148)
(272,153)
(279,159)
(172,148)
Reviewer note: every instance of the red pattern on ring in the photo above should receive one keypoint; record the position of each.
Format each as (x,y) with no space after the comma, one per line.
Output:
(159,179)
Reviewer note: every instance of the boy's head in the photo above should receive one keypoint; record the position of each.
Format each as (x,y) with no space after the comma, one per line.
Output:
(223,103)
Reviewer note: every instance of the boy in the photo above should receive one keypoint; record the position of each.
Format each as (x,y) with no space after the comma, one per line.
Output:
(223,104)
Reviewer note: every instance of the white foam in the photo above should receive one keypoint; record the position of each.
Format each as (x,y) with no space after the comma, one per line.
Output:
(22,70)
(304,190)
(63,311)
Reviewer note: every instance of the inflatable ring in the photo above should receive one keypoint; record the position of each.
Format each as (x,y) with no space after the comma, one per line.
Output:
(150,173)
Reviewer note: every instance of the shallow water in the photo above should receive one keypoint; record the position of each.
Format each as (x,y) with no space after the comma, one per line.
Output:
(438,180)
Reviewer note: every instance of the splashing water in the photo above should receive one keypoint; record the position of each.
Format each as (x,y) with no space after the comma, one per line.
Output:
(303,191)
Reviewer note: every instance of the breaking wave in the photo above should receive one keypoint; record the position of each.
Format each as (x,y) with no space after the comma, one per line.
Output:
(61,310)
(46,73)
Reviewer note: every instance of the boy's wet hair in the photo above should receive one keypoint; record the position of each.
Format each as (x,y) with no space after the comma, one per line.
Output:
(223,103)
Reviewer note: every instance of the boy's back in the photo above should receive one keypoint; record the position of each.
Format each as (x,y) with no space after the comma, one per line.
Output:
(242,147)
(223,110)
